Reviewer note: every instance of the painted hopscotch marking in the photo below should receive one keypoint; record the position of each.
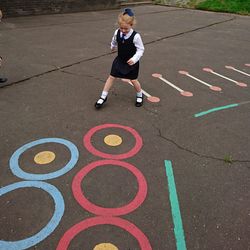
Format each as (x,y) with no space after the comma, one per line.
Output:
(182,92)
(242,72)
(150,98)
(175,208)
(241,84)
(214,88)
(220,108)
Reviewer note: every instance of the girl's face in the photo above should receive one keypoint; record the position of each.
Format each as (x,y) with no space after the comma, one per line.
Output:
(125,27)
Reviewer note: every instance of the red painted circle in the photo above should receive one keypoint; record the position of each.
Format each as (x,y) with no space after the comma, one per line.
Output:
(153,99)
(241,84)
(186,93)
(207,70)
(96,221)
(215,88)
(89,206)
(94,151)
(157,75)
(183,72)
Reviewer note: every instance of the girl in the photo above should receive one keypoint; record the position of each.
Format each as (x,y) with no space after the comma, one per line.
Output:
(126,64)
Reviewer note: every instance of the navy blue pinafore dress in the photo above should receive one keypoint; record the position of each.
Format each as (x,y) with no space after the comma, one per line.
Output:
(126,50)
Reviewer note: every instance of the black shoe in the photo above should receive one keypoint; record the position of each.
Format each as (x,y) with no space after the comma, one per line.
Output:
(139,104)
(2,80)
(98,105)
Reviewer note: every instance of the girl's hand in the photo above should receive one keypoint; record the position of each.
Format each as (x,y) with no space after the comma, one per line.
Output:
(130,62)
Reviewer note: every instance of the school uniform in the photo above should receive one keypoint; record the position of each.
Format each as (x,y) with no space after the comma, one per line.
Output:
(130,46)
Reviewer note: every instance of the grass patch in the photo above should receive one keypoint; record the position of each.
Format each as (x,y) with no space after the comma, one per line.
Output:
(232,6)
(228,159)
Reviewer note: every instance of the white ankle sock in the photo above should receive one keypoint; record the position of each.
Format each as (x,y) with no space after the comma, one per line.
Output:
(139,94)
(104,96)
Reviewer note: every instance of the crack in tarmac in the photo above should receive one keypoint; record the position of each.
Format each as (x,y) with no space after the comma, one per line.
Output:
(198,154)
(58,68)
(190,31)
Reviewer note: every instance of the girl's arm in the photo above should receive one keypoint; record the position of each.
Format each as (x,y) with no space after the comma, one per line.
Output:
(114,41)
(139,50)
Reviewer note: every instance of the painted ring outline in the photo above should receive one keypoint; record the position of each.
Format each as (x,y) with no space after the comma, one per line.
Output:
(94,151)
(97,210)
(95,221)
(16,170)
(52,224)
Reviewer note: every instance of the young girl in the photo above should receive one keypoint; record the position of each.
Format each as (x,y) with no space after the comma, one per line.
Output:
(126,64)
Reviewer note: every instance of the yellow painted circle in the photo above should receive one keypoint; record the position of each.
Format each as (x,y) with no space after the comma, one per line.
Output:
(44,157)
(113,140)
(105,246)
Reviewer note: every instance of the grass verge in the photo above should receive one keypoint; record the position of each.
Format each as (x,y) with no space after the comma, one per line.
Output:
(232,6)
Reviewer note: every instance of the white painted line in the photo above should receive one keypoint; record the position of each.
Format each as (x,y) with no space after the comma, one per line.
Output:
(242,72)
(143,91)
(229,79)
(171,84)
(214,88)
(241,84)
(187,74)
(209,85)
(183,92)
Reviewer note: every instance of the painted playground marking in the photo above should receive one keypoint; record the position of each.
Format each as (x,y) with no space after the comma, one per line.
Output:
(247,64)
(182,92)
(242,72)
(16,169)
(150,98)
(44,157)
(104,220)
(214,88)
(241,84)
(52,224)
(97,210)
(220,108)
(105,246)
(175,208)
(113,140)
(88,145)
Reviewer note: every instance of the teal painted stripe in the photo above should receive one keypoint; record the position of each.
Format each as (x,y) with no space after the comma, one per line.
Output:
(176,213)
(216,109)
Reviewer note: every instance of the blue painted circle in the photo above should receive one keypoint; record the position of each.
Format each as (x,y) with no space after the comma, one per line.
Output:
(49,228)
(16,170)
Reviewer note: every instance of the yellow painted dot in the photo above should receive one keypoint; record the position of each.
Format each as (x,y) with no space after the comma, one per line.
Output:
(113,140)
(105,246)
(44,157)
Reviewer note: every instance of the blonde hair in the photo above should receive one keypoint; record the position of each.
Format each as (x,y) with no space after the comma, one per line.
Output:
(125,18)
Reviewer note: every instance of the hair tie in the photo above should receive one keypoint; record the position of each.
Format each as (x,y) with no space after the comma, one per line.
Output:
(128,12)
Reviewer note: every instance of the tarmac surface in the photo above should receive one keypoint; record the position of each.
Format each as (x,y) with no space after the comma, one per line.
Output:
(94,191)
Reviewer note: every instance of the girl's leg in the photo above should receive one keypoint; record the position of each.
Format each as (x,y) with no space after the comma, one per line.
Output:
(109,83)
(139,94)
(107,86)
(137,85)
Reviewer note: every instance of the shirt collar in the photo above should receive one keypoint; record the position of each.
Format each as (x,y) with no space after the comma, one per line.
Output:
(127,35)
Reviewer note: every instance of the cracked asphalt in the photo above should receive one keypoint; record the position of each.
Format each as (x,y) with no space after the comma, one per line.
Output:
(57,65)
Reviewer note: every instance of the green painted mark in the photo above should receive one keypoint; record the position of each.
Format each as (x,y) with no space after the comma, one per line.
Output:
(176,213)
(216,109)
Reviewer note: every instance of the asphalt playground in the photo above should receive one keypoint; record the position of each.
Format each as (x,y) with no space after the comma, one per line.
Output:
(173,174)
